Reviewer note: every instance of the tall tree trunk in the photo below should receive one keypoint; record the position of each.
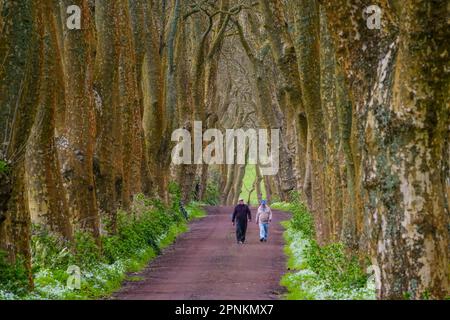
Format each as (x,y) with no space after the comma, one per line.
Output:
(107,88)
(268,188)
(185,174)
(413,220)
(130,109)
(46,196)
(19,85)
(344,117)
(138,21)
(229,183)
(307,44)
(237,183)
(332,174)
(152,87)
(401,116)
(170,95)
(80,123)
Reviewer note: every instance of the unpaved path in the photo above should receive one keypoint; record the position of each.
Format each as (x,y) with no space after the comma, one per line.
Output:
(207,263)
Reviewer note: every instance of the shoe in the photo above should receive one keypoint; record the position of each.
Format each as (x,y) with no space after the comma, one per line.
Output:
(261,239)
(265,240)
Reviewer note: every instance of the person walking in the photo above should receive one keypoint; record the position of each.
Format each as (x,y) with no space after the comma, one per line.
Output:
(241,215)
(263,218)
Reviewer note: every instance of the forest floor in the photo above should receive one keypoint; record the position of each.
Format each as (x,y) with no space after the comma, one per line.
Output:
(207,263)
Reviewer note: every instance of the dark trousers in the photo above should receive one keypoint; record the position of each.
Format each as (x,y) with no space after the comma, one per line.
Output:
(241,230)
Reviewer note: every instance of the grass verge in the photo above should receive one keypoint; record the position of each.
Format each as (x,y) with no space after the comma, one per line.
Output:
(141,235)
(319,272)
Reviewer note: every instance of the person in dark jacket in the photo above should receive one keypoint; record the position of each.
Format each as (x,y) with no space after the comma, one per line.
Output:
(241,215)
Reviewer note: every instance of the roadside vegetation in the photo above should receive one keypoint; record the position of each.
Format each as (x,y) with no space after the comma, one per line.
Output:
(141,234)
(319,272)
(4,168)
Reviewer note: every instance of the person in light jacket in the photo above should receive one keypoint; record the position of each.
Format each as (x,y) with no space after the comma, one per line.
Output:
(263,218)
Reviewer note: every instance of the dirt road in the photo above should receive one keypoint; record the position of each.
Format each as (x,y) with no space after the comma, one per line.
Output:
(207,263)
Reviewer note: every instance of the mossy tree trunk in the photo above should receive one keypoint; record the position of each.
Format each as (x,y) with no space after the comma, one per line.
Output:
(80,122)
(307,44)
(400,115)
(152,86)
(129,109)
(46,197)
(411,210)
(106,86)
(19,87)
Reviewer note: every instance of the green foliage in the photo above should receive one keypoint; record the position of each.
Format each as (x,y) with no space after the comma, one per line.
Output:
(4,168)
(48,250)
(293,285)
(426,295)
(212,196)
(334,266)
(323,272)
(195,211)
(302,220)
(13,277)
(140,236)
(175,194)
(87,252)
(135,234)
